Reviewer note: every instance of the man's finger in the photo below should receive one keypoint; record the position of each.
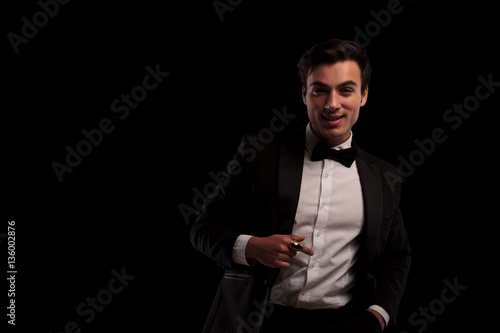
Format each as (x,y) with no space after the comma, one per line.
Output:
(304,248)
(307,250)
(297,238)
(285,257)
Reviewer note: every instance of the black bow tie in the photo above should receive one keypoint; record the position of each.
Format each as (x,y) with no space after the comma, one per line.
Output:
(344,156)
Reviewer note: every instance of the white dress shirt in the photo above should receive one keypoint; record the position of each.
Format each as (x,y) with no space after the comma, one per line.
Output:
(330,216)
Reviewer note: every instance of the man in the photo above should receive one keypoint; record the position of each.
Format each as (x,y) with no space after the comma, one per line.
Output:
(309,230)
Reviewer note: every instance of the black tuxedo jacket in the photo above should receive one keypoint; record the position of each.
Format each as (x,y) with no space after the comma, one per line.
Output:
(259,197)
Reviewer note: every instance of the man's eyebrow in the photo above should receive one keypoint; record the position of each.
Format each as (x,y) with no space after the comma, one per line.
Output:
(347,83)
(340,85)
(319,83)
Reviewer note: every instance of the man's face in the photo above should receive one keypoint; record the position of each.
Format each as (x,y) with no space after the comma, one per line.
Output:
(333,98)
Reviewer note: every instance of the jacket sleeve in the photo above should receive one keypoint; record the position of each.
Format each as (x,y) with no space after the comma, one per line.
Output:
(218,223)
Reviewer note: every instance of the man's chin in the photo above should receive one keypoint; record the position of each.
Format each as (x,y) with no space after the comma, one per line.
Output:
(336,135)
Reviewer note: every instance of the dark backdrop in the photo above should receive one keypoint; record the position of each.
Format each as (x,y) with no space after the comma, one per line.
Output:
(118,213)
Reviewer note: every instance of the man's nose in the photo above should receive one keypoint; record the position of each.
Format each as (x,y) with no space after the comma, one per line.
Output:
(333,102)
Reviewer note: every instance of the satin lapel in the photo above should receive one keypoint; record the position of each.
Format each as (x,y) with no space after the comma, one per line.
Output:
(371,187)
(290,178)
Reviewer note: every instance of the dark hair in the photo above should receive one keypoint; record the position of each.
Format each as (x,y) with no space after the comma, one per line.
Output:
(330,52)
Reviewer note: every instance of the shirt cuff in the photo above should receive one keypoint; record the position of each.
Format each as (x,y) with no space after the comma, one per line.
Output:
(381,310)
(239,248)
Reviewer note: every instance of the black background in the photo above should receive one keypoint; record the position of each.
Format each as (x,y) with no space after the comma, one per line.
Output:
(119,207)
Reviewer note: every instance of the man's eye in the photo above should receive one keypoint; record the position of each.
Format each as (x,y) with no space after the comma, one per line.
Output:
(346,91)
(317,91)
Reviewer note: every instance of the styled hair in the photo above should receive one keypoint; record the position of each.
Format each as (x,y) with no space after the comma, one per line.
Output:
(330,52)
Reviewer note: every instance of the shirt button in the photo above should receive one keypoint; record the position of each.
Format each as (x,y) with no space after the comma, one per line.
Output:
(318,233)
(313,264)
(322,205)
(326,176)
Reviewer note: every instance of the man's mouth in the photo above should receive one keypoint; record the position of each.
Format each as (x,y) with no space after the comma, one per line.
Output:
(332,120)
(331,117)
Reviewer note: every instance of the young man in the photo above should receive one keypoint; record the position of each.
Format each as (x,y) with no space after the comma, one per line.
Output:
(309,229)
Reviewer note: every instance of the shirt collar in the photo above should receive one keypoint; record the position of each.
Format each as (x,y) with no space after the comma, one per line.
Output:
(312,140)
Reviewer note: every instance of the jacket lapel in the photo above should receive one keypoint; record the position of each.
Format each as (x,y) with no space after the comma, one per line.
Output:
(371,187)
(290,177)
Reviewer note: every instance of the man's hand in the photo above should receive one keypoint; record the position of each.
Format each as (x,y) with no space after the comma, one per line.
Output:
(273,251)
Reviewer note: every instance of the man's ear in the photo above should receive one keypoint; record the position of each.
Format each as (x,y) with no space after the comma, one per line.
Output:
(364,96)
(304,95)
